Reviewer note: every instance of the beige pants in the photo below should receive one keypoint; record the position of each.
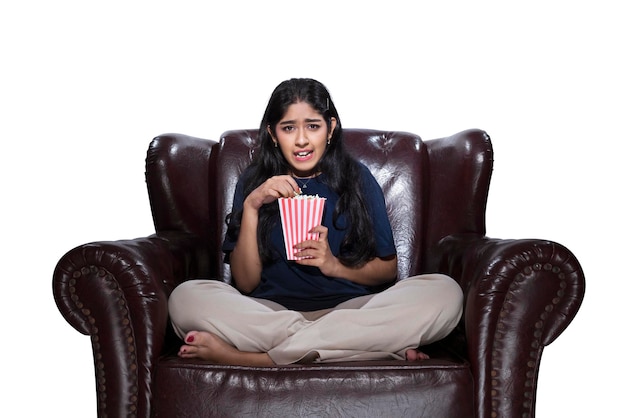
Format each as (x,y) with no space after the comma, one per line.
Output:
(415,311)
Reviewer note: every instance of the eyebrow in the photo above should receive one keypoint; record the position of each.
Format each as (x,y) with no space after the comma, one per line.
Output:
(290,122)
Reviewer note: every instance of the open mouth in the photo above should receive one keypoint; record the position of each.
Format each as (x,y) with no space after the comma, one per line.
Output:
(303,155)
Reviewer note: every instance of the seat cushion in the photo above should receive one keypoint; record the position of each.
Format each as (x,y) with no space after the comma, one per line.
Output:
(439,387)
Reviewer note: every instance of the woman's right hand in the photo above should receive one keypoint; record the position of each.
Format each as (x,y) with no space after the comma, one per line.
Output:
(272,189)
(245,262)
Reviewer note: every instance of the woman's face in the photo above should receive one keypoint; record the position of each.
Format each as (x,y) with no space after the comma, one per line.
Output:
(302,135)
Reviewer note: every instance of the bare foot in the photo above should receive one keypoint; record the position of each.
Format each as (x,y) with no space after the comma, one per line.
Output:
(413,354)
(208,346)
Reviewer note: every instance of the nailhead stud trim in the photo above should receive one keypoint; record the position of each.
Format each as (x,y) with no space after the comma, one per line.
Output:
(98,273)
(532,362)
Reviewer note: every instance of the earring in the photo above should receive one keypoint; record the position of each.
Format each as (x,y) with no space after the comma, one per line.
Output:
(275,144)
(328,142)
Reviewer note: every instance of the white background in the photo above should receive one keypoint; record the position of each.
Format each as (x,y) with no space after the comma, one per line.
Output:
(85,86)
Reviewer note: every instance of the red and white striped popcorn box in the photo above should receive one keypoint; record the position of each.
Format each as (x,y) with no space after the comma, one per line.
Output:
(298,215)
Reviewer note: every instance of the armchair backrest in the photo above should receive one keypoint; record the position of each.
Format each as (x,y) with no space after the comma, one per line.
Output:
(432,188)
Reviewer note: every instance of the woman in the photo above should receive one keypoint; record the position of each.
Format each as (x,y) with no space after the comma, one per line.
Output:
(326,305)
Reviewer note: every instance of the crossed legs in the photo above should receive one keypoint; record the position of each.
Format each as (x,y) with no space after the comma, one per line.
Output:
(219,324)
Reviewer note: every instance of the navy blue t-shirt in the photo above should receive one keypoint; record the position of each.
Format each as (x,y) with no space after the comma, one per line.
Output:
(305,288)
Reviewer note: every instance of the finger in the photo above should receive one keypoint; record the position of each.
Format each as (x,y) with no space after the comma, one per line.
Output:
(304,257)
(306,261)
(321,232)
(282,189)
(287,186)
(295,188)
(303,245)
(286,192)
(320,229)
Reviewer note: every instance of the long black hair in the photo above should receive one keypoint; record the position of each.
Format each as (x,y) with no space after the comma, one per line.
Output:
(342,172)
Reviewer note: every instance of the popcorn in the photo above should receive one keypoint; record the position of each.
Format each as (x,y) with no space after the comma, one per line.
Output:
(298,215)
(304,196)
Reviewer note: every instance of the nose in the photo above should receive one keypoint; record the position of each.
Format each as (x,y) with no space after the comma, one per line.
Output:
(301,138)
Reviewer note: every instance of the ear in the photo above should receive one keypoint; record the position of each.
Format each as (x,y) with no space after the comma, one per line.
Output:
(269,131)
(333,124)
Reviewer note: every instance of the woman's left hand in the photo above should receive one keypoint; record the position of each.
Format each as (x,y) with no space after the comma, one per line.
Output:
(317,253)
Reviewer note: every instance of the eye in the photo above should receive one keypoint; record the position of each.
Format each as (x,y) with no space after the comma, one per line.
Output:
(287,128)
(314,126)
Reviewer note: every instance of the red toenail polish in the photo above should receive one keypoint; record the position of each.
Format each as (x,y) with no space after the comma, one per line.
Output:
(190,339)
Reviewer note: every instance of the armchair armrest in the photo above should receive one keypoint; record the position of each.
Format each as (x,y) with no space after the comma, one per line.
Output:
(520,296)
(117,292)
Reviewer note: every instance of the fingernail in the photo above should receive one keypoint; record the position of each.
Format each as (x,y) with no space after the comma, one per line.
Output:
(190,339)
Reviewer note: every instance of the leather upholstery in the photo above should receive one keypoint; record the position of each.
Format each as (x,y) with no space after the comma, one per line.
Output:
(520,294)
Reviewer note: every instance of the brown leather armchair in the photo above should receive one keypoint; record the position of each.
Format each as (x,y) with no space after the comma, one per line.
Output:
(519,294)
